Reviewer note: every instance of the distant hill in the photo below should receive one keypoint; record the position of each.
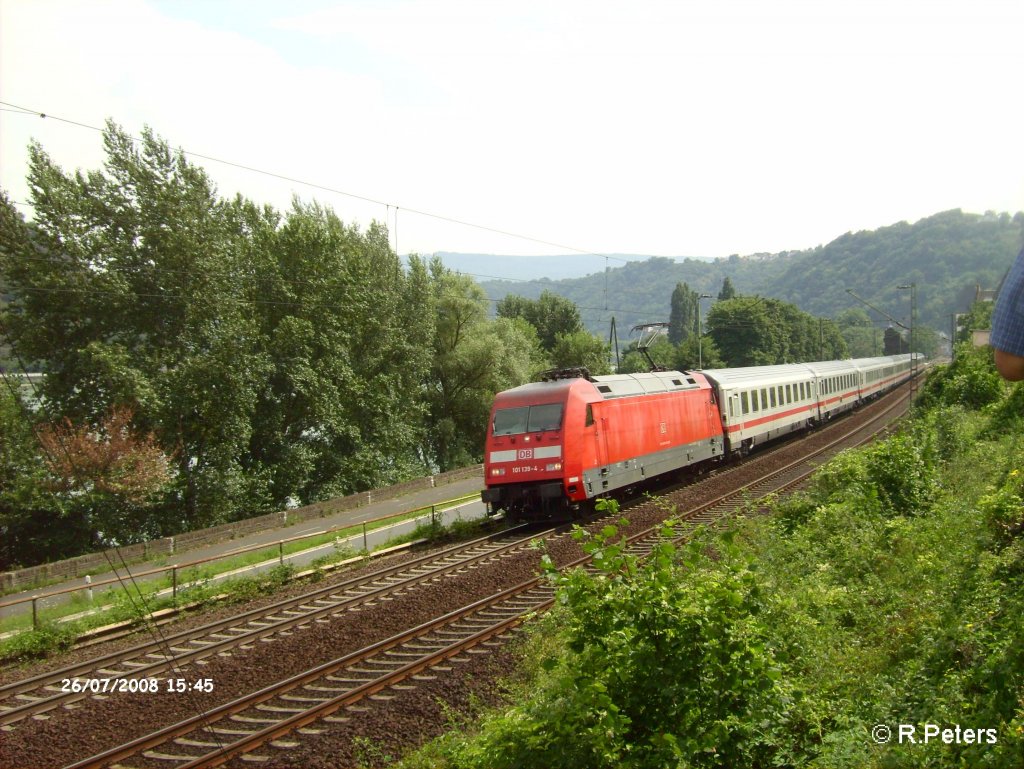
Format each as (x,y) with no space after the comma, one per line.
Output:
(494,266)
(946,255)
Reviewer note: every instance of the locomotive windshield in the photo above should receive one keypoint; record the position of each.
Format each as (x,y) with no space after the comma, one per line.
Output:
(528,419)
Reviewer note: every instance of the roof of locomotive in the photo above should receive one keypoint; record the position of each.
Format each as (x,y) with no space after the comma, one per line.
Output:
(539,392)
(611,386)
(623,385)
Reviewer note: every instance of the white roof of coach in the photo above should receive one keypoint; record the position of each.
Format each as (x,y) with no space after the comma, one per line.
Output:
(768,375)
(868,364)
(757,375)
(832,367)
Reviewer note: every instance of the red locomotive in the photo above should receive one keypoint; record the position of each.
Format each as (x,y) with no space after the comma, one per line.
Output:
(555,444)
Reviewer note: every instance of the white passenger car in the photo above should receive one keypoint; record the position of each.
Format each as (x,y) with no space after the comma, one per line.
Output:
(762,403)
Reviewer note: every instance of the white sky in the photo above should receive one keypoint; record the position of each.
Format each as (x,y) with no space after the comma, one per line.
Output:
(694,127)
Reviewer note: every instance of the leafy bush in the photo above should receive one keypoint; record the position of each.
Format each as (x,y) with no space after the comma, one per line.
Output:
(1008,415)
(1004,509)
(47,639)
(667,663)
(899,471)
(896,472)
(971,380)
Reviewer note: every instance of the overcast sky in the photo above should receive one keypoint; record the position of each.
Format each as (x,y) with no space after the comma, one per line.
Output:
(695,127)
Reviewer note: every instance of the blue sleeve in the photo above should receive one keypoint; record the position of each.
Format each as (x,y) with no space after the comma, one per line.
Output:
(1008,316)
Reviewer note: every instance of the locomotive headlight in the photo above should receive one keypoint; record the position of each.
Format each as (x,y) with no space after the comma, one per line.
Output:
(497,471)
(554,466)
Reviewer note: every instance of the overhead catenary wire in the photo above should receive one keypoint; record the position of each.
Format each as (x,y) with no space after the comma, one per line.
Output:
(19,109)
(22,110)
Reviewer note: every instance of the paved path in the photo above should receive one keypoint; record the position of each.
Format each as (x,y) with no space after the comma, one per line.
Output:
(409,502)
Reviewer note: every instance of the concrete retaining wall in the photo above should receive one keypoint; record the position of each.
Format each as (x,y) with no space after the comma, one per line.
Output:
(93,562)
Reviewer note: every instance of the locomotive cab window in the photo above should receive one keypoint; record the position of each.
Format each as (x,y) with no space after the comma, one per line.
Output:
(590,416)
(524,419)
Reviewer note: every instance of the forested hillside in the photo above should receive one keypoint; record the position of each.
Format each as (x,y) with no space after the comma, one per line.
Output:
(946,255)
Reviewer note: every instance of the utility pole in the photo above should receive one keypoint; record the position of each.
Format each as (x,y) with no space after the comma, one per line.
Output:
(613,338)
(913,359)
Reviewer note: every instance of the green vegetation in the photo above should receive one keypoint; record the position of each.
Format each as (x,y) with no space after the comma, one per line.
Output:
(753,331)
(216,360)
(891,593)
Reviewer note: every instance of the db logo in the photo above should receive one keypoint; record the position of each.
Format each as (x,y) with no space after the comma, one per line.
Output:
(526,453)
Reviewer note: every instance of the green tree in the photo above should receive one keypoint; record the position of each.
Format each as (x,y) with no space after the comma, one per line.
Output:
(926,341)
(661,351)
(861,336)
(752,331)
(277,357)
(666,663)
(551,315)
(581,349)
(34,526)
(349,336)
(473,358)
(977,318)
(682,319)
(690,356)
(728,290)
(135,295)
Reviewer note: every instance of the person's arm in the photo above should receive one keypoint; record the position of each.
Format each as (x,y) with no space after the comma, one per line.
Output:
(1008,324)
(1010,366)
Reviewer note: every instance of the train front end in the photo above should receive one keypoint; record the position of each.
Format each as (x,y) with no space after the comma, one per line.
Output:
(525,456)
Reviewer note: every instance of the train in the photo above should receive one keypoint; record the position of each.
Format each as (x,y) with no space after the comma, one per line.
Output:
(556,445)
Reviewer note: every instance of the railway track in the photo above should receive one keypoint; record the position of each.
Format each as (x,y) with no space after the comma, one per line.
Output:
(39,694)
(254,727)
